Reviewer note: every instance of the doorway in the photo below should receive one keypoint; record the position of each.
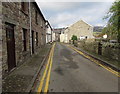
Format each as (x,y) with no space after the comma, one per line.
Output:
(32,42)
(11,59)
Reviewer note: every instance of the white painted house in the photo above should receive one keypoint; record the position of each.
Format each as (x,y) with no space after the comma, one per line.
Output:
(62,37)
(53,36)
(48,33)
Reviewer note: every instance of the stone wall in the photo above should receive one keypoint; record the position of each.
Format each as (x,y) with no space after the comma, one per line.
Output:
(108,51)
(12,13)
(0,47)
(38,27)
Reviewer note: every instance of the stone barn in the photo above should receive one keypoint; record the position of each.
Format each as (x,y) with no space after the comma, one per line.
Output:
(81,29)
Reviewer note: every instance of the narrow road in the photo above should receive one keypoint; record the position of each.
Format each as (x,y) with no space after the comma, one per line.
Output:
(71,72)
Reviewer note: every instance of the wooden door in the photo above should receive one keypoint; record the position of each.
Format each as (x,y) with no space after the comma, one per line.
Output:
(10,46)
(32,42)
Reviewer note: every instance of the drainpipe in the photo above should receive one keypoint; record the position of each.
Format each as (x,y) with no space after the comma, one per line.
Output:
(30,28)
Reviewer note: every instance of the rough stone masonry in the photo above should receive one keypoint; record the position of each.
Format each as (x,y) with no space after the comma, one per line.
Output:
(16,26)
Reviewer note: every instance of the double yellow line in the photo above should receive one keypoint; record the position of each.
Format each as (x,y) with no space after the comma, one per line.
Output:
(46,73)
(97,62)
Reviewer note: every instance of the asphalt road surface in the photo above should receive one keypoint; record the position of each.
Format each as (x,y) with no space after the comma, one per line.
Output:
(71,72)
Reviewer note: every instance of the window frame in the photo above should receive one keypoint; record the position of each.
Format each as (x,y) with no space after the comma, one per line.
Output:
(24,35)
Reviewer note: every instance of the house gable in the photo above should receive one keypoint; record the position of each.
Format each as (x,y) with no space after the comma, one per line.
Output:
(80,29)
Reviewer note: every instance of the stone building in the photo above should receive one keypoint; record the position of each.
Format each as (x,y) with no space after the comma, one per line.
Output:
(0,47)
(23,32)
(81,29)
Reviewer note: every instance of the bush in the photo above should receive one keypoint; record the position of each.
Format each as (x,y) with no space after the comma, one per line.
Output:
(74,38)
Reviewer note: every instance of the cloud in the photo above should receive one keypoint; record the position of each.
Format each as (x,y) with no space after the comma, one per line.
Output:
(57,6)
(62,19)
(46,1)
(66,13)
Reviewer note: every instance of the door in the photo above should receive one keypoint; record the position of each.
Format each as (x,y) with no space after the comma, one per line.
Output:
(32,42)
(10,46)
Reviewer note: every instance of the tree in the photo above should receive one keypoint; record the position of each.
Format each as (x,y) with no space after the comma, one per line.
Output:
(114,19)
(74,38)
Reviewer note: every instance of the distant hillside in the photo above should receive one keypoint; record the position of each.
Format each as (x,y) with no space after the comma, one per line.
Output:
(97,29)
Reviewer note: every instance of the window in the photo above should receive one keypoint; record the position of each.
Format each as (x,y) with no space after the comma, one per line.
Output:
(24,39)
(24,6)
(36,17)
(36,38)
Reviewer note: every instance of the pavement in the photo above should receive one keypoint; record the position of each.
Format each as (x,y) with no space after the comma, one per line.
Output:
(71,72)
(22,78)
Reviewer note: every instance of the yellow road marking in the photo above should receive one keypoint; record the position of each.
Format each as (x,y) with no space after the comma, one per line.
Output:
(48,76)
(112,71)
(97,62)
(45,73)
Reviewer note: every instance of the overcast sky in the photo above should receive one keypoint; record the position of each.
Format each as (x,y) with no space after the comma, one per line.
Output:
(62,14)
